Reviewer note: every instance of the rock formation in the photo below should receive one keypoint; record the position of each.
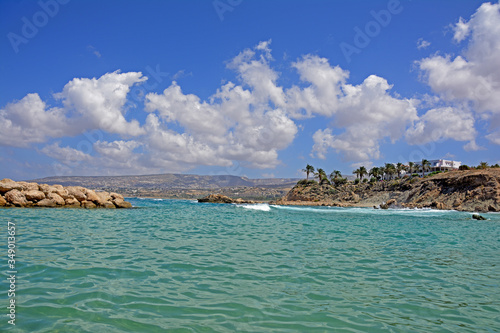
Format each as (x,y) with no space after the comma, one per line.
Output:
(471,190)
(24,194)
(219,198)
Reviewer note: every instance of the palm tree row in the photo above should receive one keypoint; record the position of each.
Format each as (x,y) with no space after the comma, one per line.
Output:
(388,171)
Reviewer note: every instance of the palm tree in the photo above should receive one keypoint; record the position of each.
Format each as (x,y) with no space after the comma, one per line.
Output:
(356,172)
(362,172)
(374,172)
(390,170)
(309,169)
(320,174)
(411,166)
(425,165)
(399,167)
(335,175)
(483,165)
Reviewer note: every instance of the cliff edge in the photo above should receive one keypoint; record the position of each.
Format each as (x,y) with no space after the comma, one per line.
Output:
(468,190)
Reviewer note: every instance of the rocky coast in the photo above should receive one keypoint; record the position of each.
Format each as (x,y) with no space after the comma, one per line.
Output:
(468,190)
(29,194)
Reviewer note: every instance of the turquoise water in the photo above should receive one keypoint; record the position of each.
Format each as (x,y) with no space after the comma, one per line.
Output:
(181,266)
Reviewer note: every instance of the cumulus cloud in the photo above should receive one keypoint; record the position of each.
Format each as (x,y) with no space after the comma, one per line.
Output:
(66,155)
(459,126)
(474,76)
(100,102)
(30,121)
(367,113)
(238,123)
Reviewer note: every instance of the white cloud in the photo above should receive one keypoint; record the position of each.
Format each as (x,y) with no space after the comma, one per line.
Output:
(66,155)
(367,112)
(441,124)
(422,44)
(100,102)
(30,121)
(474,76)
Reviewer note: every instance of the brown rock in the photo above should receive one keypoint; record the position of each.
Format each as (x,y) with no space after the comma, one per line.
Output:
(16,197)
(7,185)
(34,195)
(28,186)
(77,192)
(119,203)
(391,202)
(92,196)
(492,208)
(63,193)
(104,196)
(3,202)
(72,202)
(116,196)
(457,202)
(57,198)
(46,203)
(108,204)
(88,204)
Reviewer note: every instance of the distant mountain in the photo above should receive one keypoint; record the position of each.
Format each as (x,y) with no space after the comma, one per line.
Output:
(166,182)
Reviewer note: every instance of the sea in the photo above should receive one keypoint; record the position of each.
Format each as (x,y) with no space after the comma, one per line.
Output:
(183,266)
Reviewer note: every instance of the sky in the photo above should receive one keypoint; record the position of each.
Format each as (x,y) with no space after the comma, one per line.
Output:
(245,87)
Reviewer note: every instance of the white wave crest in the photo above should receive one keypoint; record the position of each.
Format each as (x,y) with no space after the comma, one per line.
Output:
(261,207)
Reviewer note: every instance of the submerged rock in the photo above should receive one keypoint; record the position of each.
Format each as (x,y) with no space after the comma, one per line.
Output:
(219,198)
(478,217)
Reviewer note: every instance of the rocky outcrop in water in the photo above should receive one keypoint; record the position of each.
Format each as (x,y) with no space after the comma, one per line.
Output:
(219,198)
(471,190)
(26,194)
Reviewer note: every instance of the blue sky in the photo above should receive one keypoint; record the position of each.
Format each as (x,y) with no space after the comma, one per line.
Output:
(249,88)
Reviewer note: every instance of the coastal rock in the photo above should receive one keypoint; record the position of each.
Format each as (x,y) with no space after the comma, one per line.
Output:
(46,203)
(29,194)
(219,198)
(88,204)
(73,203)
(16,198)
(76,192)
(92,196)
(391,202)
(7,185)
(34,195)
(28,186)
(478,217)
(57,198)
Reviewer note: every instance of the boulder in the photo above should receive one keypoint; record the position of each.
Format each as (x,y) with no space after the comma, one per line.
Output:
(3,202)
(120,203)
(16,197)
(116,196)
(57,198)
(108,204)
(391,202)
(92,196)
(104,196)
(77,193)
(63,193)
(478,217)
(34,195)
(88,204)
(28,186)
(46,188)
(7,185)
(46,203)
(72,202)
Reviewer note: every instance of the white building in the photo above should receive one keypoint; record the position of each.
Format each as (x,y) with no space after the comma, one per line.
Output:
(441,165)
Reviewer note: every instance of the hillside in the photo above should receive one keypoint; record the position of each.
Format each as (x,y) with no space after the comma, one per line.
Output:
(472,190)
(181,185)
